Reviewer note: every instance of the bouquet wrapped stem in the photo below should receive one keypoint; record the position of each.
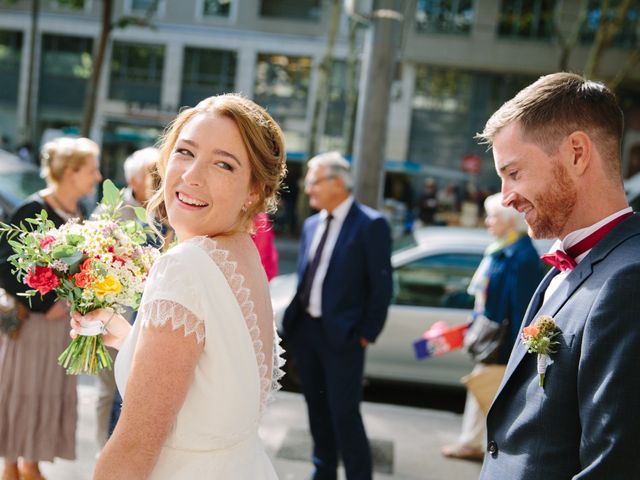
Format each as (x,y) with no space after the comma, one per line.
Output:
(86,353)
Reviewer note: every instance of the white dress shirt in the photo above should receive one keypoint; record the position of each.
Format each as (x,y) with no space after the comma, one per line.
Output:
(570,240)
(339,214)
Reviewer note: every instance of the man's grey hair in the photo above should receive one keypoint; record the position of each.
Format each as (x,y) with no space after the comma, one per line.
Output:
(336,164)
(139,161)
(493,206)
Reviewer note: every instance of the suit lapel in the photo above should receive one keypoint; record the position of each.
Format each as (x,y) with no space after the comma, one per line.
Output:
(309,232)
(347,226)
(577,277)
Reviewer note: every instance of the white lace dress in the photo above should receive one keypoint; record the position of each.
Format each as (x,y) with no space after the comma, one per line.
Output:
(196,286)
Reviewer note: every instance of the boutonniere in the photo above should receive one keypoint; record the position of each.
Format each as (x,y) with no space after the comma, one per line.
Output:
(539,338)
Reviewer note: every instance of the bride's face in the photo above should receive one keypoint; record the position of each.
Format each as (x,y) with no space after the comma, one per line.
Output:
(208,178)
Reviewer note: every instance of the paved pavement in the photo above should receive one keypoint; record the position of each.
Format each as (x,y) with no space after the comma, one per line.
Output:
(406,441)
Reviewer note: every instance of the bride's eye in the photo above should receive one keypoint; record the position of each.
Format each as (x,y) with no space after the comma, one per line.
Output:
(225,166)
(183,151)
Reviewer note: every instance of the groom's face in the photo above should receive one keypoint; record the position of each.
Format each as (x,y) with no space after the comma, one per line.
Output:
(535,183)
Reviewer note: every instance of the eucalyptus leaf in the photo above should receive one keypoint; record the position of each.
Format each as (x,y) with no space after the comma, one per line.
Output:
(73,259)
(62,251)
(141,213)
(111,194)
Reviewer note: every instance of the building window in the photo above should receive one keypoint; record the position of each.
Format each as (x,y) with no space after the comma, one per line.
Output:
(67,4)
(449,107)
(216,8)
(526,19)
(136,73)
(144,5)
(627,36)
(207,72)
(10,55)
(65,68)
(291,9)
(282,86)
(444,16)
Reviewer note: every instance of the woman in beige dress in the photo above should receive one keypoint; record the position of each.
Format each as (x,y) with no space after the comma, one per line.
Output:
(37,398)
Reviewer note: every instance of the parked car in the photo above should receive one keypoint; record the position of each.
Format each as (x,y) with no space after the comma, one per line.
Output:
(18,180)
(430,275)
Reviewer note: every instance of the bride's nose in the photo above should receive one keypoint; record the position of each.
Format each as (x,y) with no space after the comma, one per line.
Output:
(193,174)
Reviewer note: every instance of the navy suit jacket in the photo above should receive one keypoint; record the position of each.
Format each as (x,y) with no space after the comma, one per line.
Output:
(357,286)
(585,422)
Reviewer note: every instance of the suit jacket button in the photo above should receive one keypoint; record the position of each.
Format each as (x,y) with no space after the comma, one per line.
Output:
(492,448)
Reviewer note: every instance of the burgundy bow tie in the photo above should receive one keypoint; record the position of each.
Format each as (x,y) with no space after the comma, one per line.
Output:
(565,261)
(560,260)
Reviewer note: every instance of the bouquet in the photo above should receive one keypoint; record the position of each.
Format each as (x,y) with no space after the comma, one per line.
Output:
(98,263)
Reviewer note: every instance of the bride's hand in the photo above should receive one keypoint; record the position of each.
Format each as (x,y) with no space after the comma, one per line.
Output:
(115,326)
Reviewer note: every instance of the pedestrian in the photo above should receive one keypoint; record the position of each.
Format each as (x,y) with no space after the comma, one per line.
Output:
(265,240)
(428,202)
(137,170)
(340,306)
(200,364)
(37,397)
(502,287)
(566,407)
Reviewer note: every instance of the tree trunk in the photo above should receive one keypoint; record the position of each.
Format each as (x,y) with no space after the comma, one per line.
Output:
(322,80)
(607,30)
(96,70)
(568,43)
(29,119)
(630,64)
(349,125)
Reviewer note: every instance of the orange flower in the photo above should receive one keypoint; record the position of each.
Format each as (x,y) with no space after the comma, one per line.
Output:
(86,265)
(530,331)
(82,279)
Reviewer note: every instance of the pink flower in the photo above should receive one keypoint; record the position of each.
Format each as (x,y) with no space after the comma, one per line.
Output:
(46,241)
(43,279)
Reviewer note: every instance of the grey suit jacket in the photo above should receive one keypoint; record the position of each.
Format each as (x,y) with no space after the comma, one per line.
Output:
(585,422)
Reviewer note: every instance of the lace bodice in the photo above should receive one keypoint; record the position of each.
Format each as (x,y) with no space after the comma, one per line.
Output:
(158,311)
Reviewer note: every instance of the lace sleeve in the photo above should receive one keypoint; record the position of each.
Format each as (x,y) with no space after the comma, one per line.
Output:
(277,371)
(158,312)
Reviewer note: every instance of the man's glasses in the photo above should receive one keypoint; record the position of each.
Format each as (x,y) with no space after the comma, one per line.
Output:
(317,181)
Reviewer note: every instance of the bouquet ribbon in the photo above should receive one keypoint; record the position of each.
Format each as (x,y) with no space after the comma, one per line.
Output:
(90,328)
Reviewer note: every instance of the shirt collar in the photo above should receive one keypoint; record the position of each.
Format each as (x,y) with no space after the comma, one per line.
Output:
(577,235)
(340,212)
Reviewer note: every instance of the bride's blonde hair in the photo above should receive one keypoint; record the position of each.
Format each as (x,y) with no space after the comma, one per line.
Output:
(262,138)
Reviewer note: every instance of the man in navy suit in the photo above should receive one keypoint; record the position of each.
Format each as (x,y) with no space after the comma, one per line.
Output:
(344,290)
(556,147)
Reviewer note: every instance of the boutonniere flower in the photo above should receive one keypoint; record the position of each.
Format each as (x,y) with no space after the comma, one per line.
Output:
(539,338)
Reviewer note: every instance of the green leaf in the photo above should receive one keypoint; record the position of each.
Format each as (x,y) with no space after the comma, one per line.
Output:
(62,251)
(74,239)
(141,213)
(73,259)
(111,194)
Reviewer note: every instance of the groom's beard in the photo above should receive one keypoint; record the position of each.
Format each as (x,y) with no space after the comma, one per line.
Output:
(554,206)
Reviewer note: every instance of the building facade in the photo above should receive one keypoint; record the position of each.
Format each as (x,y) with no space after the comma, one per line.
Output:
(458,61)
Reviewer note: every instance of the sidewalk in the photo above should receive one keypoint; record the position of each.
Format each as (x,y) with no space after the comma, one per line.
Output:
(406,441)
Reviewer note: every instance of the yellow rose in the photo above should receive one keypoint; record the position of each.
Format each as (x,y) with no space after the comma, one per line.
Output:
(110,285)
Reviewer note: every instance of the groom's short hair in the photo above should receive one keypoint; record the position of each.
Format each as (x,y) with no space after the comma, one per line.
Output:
(557,105)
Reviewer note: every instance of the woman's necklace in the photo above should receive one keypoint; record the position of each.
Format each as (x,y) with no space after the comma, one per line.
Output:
(60,209)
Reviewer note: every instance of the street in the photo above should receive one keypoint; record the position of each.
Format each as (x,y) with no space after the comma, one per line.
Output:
(405,441)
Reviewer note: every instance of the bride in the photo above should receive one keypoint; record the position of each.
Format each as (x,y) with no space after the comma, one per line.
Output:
(200,363)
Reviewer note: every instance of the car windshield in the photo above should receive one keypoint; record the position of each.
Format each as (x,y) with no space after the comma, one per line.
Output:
(404,243)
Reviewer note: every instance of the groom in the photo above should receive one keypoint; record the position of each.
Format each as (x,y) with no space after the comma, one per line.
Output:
(556,147)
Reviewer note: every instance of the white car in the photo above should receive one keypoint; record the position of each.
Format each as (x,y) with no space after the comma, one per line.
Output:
(430,278)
